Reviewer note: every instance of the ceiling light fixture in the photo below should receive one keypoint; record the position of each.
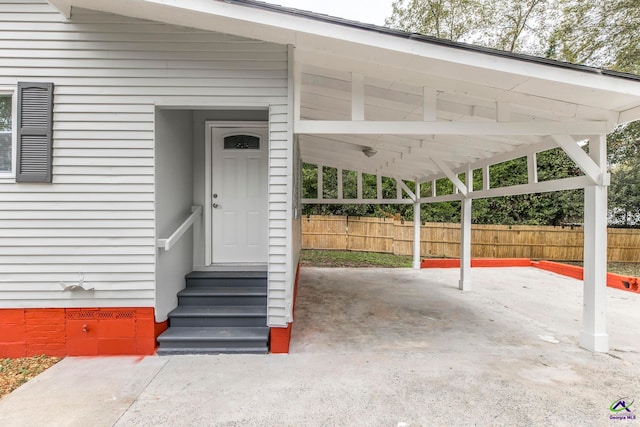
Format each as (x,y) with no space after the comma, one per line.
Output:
(369,152)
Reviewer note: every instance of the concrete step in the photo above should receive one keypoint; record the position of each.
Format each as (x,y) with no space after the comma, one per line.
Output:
(227,278)
(218,316)
(213,339)
(223,296)
(212,350)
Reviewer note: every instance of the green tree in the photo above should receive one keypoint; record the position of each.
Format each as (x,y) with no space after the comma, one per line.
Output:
(5,134)
(511,25)
(623,145)
(624,158)
(457,20)
(604,33)
(5,113)
(624,194)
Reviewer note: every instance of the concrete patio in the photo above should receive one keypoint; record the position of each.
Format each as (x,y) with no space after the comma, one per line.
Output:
(374,347)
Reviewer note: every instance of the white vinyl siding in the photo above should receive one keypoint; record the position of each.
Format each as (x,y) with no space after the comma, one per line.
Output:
(280,280)
(96,221)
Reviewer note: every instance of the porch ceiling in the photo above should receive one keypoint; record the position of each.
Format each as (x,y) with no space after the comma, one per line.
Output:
(327,95)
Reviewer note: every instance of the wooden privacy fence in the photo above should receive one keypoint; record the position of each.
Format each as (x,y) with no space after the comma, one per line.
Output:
(443,239)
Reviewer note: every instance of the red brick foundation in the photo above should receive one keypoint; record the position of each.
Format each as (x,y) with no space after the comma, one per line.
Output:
(625,283)
(557,267)
(280,338)
(77,331)
(475,262)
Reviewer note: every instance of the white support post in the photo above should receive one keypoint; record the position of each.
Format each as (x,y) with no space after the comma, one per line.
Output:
(359,185)
(594,335)
(297,91)
(320,181)
(340,190)
(465,236)
(379,187)
(416,229)
(398,189)
(434,189)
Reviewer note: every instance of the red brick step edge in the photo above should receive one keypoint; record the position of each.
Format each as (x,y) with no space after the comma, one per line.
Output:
(618,281)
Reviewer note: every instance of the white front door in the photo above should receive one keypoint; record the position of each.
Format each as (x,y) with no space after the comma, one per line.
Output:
(239,195)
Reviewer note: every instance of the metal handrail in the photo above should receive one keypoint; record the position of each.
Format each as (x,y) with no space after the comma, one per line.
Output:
(168,243)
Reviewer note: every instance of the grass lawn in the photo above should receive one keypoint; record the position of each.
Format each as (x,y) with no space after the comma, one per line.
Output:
(322,258)
(623,268)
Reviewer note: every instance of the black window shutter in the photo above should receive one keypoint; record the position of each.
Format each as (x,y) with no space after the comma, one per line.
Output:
(35,132)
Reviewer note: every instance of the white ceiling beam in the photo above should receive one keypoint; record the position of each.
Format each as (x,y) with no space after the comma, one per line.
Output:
(503,112)
(580,157)
(573,183)
(451,175)
(63,6)
(368,127)
(429,104)
(629,115)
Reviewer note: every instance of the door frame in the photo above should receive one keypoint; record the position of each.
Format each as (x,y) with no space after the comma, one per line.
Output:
(209,125)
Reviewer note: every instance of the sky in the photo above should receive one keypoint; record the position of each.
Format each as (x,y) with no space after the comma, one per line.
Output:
(366,11)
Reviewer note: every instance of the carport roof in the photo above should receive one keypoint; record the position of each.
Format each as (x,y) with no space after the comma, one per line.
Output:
(429,108)
(428,39)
